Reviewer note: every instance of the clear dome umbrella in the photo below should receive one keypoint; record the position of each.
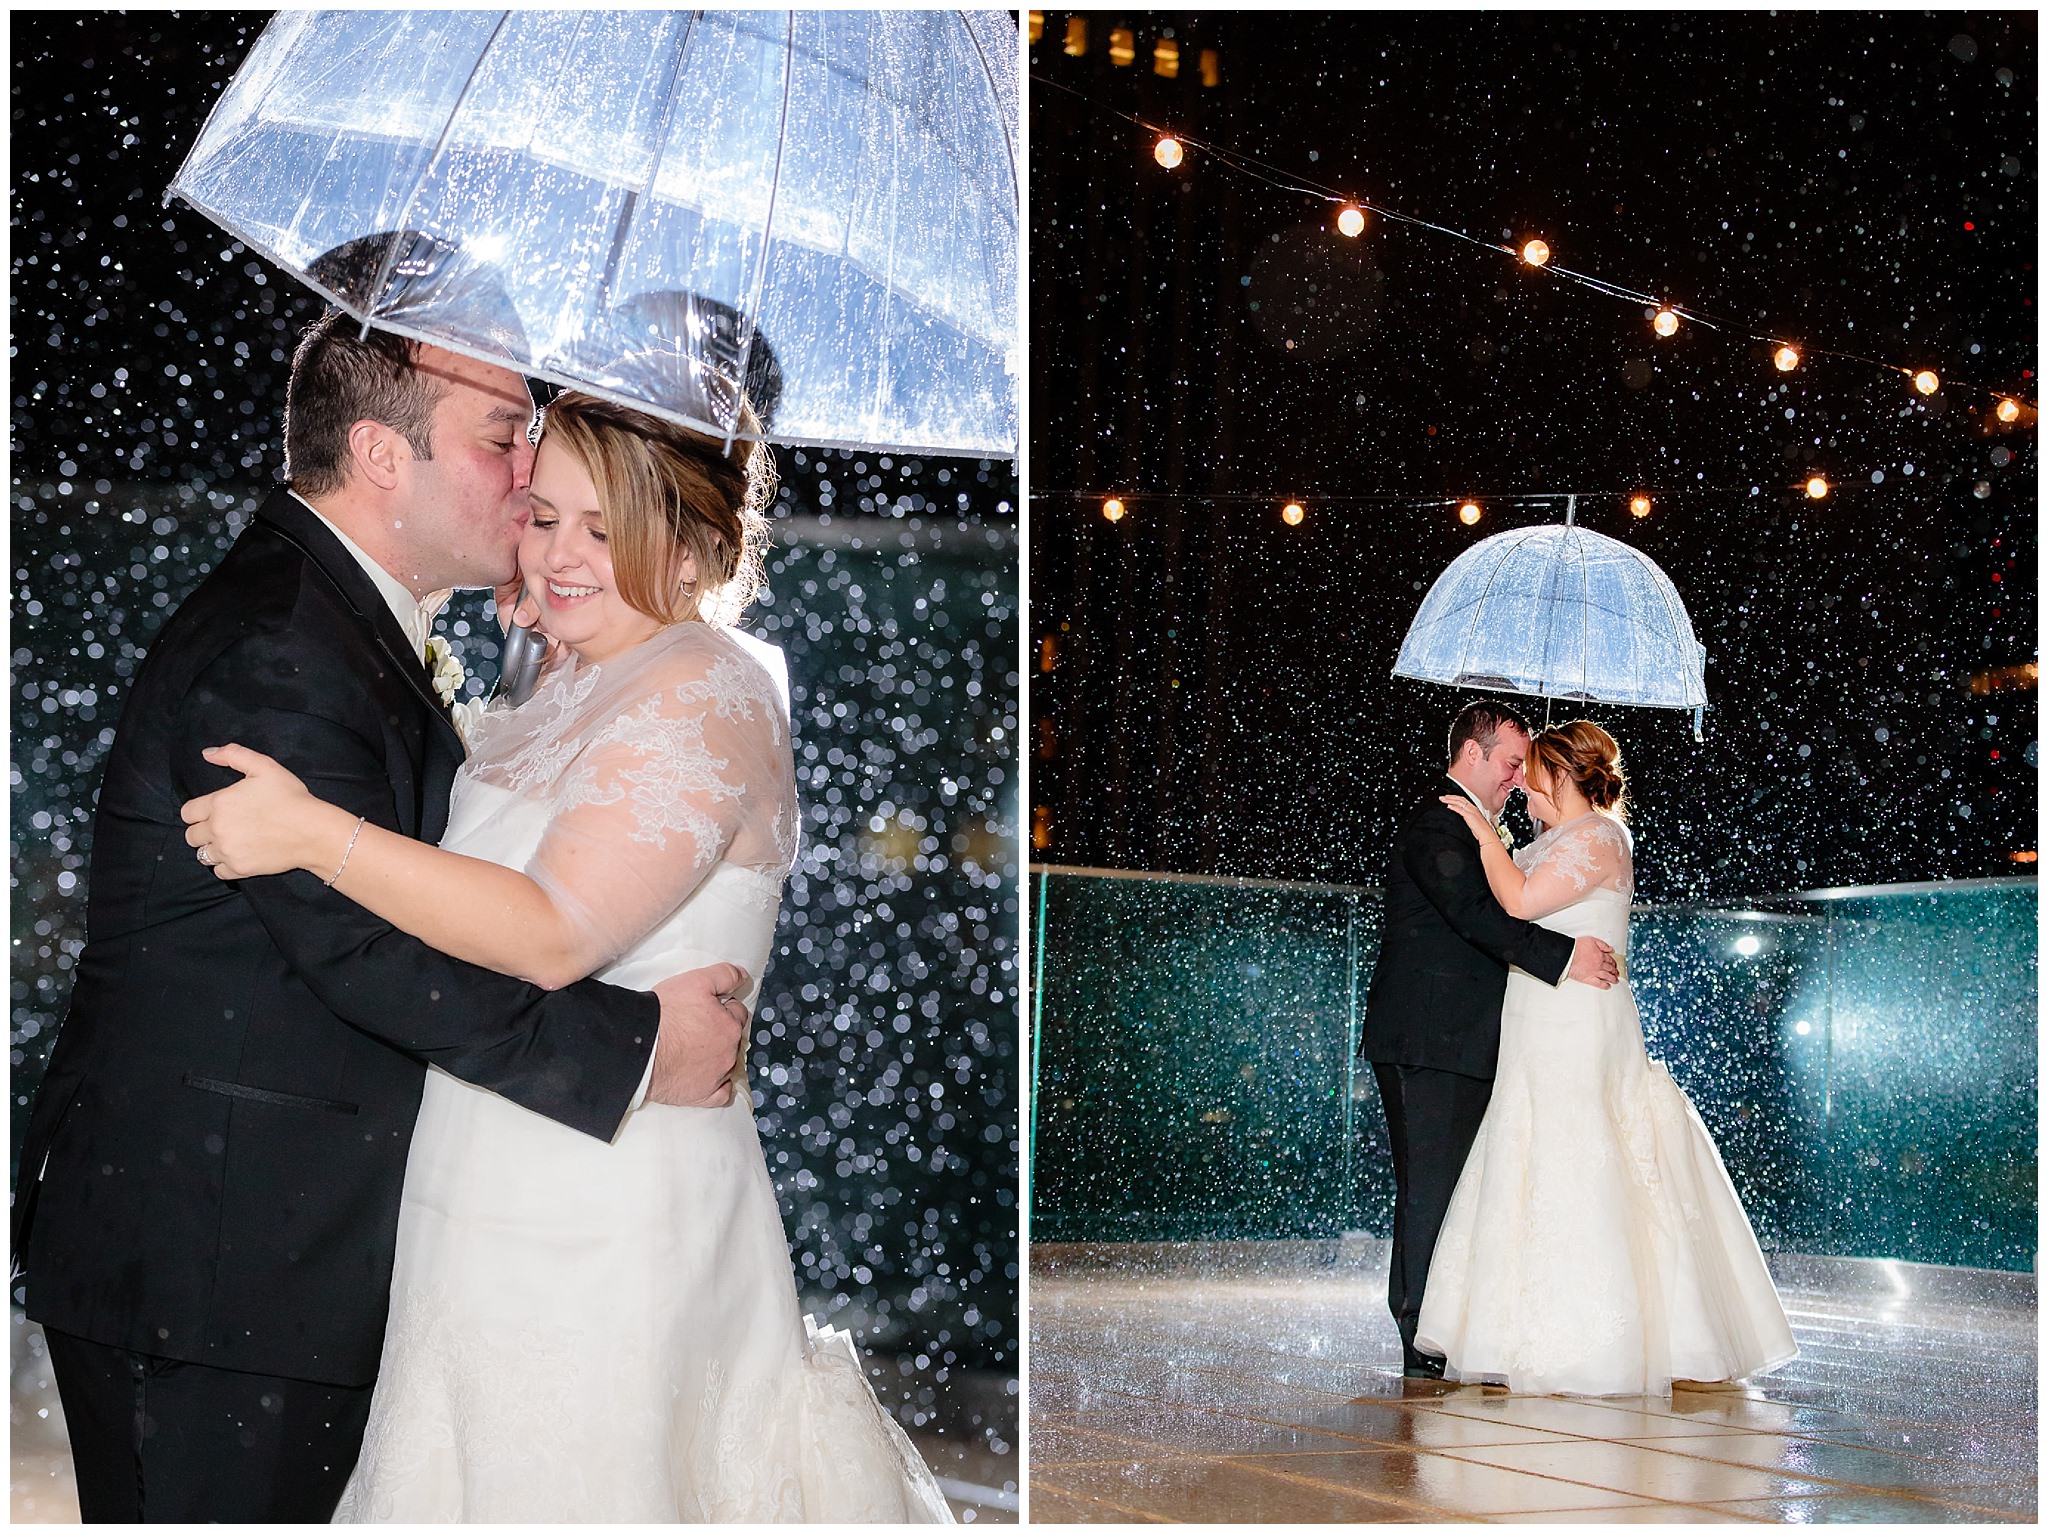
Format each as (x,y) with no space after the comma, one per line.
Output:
(1558,612)
(655,206)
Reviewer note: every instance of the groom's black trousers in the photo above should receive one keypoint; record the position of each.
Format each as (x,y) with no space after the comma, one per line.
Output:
(154,1440)
(1432,1119)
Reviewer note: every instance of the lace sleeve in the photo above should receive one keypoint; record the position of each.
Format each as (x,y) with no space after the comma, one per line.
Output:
(694,773)
(1589,854)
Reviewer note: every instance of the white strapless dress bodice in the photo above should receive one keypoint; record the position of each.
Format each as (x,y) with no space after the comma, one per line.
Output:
(591,1332)
(1594,1244)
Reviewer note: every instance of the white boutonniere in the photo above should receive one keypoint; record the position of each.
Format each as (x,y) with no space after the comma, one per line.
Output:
(447,670)
(1507,837)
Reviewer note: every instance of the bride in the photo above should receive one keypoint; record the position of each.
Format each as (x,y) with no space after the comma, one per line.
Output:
(1594,1245)
(583,1332)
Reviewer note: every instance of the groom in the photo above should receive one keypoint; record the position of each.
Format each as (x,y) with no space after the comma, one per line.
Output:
(1432,1020)
(210,1179)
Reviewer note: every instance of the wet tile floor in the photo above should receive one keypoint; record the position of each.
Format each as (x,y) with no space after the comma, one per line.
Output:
(1258,1382)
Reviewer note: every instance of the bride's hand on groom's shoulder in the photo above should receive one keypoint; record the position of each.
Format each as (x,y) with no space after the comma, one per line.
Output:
(268,823)
(1468,812)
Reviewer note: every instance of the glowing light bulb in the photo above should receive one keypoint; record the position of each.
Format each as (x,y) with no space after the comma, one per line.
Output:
(1350,220)
(1787,358)
(2008,410)
(1168,152)
(1666,322)
(1639,505)
(1749,945)
(1113,509)
(1536,253)
(1469,513)
(1292,513)
(1816,488)
(1926,380)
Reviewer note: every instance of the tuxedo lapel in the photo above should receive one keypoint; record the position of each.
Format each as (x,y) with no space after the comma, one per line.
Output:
(299,526)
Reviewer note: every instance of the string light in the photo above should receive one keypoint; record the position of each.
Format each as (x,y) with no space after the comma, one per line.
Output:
(1170,152)
(1639,505)
(1113,509)
(1292,513)
(1816,488)
(1469,513)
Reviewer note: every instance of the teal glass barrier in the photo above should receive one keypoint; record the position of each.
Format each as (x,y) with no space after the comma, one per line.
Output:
(1866,1060)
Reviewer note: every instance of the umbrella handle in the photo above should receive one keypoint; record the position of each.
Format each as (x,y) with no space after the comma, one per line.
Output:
(525,648)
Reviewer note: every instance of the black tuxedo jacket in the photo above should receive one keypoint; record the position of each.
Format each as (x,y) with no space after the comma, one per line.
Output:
(212,1167)
(1445,949)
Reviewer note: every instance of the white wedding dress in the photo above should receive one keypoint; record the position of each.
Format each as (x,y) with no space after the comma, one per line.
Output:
(590,1332)
(1594,1245)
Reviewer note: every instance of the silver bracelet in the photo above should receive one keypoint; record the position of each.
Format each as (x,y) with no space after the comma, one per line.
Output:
(358,831)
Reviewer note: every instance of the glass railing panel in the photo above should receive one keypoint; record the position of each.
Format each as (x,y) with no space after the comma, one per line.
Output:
(1934,1075)
(1194,1078)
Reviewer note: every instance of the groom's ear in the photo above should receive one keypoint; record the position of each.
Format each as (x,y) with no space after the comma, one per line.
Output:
(377,453)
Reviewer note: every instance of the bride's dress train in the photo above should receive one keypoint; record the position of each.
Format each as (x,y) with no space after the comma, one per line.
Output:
(1594,1245)
(583,1332)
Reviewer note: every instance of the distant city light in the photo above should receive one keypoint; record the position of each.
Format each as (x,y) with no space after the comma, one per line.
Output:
(1749,945)
(1536,253)
(1168,152)
(1350,220)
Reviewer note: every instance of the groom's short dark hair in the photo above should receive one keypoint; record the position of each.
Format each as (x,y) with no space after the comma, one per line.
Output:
(339,377)
(1483,721)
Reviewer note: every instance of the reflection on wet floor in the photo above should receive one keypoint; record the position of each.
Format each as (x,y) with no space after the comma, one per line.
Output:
(1259,1382)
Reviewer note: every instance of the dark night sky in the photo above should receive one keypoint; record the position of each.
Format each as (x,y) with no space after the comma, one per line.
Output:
(1219,697)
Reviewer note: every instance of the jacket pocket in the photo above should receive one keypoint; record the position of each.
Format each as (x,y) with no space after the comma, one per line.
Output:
(265,1095)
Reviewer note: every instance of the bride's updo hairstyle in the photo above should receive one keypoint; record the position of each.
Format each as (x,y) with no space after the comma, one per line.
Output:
(1586,754)
(667,491)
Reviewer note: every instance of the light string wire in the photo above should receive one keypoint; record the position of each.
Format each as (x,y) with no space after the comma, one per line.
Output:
(1255,168)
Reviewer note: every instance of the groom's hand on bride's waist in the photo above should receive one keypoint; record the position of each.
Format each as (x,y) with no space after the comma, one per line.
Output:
(1593,964)
(703,1024)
